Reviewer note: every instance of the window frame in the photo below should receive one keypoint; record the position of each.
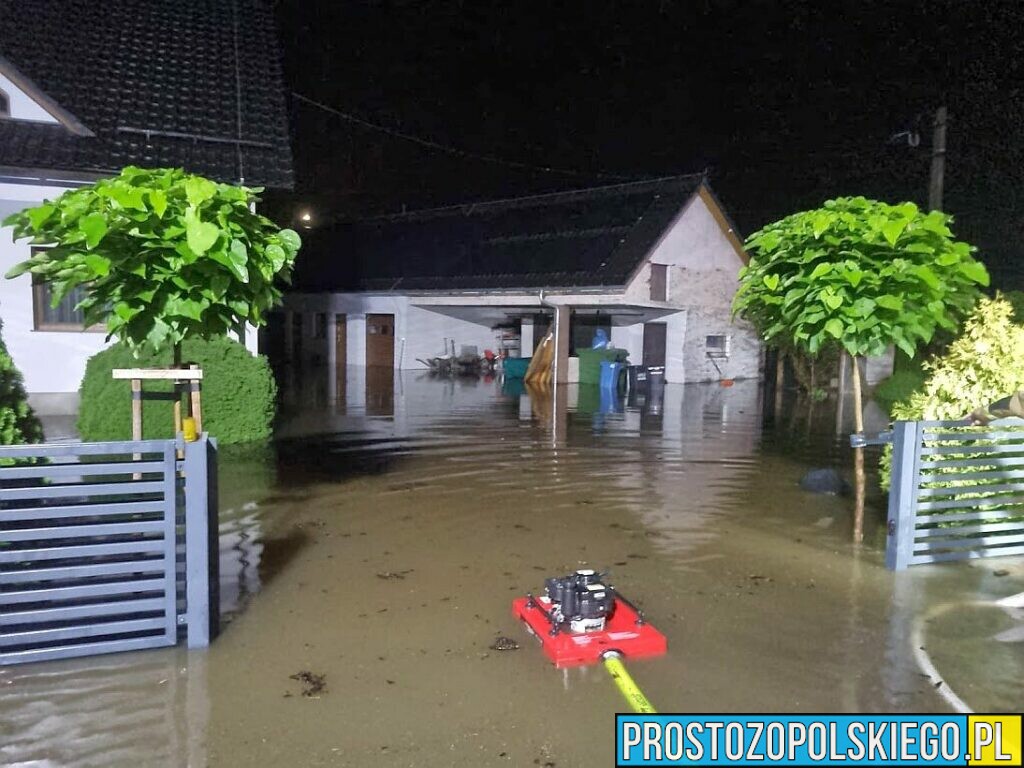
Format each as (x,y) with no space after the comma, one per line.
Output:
(39,304)
(717,352)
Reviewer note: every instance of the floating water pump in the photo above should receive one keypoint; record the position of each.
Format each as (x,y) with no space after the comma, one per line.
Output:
(582,620)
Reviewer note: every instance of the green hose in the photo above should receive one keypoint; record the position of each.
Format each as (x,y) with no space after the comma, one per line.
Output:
(627,687)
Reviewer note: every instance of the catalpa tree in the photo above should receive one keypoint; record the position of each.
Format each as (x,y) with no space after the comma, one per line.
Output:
(860,275)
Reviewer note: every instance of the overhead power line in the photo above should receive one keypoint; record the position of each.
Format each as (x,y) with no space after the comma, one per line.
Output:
(437,146)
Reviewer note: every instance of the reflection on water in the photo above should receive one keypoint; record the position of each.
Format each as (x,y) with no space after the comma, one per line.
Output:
(381,541)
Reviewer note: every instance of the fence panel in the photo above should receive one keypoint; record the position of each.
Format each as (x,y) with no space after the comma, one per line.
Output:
(89,547)
(955,493)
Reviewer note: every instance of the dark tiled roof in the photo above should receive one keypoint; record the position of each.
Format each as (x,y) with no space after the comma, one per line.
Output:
(583,238)
(163,66)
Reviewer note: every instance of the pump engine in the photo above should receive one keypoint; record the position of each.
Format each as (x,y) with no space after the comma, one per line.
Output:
(580,600)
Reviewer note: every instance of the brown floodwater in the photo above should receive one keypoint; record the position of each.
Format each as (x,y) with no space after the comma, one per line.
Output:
(380,542)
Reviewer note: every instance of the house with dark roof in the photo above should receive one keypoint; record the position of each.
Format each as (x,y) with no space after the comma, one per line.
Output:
(653,263)
(87,88)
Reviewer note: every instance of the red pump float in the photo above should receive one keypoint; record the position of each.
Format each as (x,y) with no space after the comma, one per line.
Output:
(580,621)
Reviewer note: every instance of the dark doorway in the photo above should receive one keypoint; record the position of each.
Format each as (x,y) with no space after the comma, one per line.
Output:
(272,341)
(583,329)
(380,341)
(655,335)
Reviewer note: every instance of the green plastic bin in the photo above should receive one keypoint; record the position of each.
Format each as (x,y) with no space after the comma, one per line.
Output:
(590,362)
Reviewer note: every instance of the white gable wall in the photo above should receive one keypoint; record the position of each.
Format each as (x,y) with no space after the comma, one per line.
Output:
(703,275)
(23,107)
(52,362)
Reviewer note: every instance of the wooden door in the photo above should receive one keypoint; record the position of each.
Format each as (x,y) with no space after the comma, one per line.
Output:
(655,335)
(380,341)
(340,342)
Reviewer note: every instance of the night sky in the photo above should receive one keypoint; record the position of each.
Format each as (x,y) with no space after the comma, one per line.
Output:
(784,103)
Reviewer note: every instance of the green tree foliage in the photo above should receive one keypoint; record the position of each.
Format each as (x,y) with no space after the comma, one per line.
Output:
(982,365)
(18,424)
(239,393)
(1016,299)
(163,255)
(859,274)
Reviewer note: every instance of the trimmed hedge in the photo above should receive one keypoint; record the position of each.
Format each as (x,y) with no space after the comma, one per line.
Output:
(239,393)
(18,423)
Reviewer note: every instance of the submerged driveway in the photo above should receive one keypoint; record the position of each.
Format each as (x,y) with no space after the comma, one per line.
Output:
(378,548)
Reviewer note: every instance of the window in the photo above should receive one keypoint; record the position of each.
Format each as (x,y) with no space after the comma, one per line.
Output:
(717,346)
(5,105)
(320,325)
(659,282)
(63,317)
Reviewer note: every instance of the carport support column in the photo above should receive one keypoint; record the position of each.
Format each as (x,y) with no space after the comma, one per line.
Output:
(561,362)
(330,339)
(526,337)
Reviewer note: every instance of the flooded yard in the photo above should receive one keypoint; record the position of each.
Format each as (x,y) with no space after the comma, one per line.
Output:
(370,557)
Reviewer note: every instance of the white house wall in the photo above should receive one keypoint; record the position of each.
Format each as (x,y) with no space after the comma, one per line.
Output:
(52,362)
(702,276)
(23,106)
(423,330)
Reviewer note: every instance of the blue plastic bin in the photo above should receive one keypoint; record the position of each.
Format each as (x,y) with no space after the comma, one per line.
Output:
(611,374)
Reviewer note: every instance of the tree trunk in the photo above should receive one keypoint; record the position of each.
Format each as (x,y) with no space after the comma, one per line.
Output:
(780,378)
(858,453)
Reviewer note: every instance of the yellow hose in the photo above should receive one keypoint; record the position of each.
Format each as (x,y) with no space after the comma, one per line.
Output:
(627,687)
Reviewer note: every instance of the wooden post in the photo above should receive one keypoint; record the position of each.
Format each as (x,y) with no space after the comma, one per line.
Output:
(136,420)
(136,409)
(196,400)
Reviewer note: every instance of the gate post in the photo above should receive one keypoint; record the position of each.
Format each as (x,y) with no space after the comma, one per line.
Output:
(202,554)
(906,444)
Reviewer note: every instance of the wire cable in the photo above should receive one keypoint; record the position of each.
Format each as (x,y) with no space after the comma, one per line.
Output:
(437,146)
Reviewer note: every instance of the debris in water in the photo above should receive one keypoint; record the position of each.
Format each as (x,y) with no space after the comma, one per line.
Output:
(502,643)
(313,684)
(1001,572)
(394,574)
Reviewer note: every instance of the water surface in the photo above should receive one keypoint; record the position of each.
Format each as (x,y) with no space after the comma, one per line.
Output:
(381,541)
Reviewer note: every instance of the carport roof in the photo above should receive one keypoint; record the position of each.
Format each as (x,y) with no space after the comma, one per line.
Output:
(581,238)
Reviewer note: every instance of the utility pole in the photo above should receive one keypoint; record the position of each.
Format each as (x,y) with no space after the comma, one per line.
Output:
(938,161)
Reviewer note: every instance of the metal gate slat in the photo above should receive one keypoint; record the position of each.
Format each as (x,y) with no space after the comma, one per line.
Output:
(80,649)
(147,547)
(108,509)
(81,591)
(9,639)
(77,469)
(79,531)
(82,571)
(68,612)
(85,489)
